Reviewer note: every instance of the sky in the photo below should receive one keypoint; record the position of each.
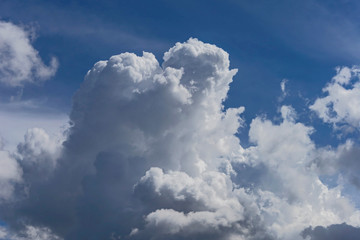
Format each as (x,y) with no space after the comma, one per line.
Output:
(224,120)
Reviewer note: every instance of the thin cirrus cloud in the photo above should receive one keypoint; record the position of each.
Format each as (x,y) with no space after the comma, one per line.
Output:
(151,153)
(322,30)
(20,63)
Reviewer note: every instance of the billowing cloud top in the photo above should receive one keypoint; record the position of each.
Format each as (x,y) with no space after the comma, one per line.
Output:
(152,154)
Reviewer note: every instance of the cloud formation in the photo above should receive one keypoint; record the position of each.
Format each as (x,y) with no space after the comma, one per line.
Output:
(153,154)
(340,106)
(20,63)
(29,233)
(10,173)
(332,232)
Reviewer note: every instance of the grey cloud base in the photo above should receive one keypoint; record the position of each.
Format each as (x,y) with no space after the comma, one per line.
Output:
(332,232)
(152,154)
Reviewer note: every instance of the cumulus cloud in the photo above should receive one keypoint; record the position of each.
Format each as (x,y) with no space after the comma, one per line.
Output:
(10,173)
(132,114)
(206,206)
(292,193)
(340,105)
(340,108)
(341,162)
(16,119)
(20,63)
(38,154)
(153,154)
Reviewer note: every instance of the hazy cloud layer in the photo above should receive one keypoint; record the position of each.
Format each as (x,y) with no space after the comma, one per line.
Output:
(20,63)
(152,154)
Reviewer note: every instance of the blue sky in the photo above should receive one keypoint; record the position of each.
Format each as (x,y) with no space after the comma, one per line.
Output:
(303,43)
(267,41)
(299,44)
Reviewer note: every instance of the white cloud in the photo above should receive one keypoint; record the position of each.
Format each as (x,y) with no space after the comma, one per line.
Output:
(29,233)
(283,86)
(292,193)
(204,206)
(34,159)
(132,114)
(10,173)
(16,120)
(38,154)
(20,63)
(284,91)
(152,154)
(340,105)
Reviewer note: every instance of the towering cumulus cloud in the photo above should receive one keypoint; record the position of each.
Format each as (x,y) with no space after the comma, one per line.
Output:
(152,154)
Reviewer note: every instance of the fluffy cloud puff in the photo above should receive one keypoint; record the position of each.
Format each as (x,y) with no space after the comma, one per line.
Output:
(152,154)
(206,206)
(340,106)
(20,63)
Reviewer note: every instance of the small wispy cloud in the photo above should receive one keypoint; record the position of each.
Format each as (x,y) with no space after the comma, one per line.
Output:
(284,91)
